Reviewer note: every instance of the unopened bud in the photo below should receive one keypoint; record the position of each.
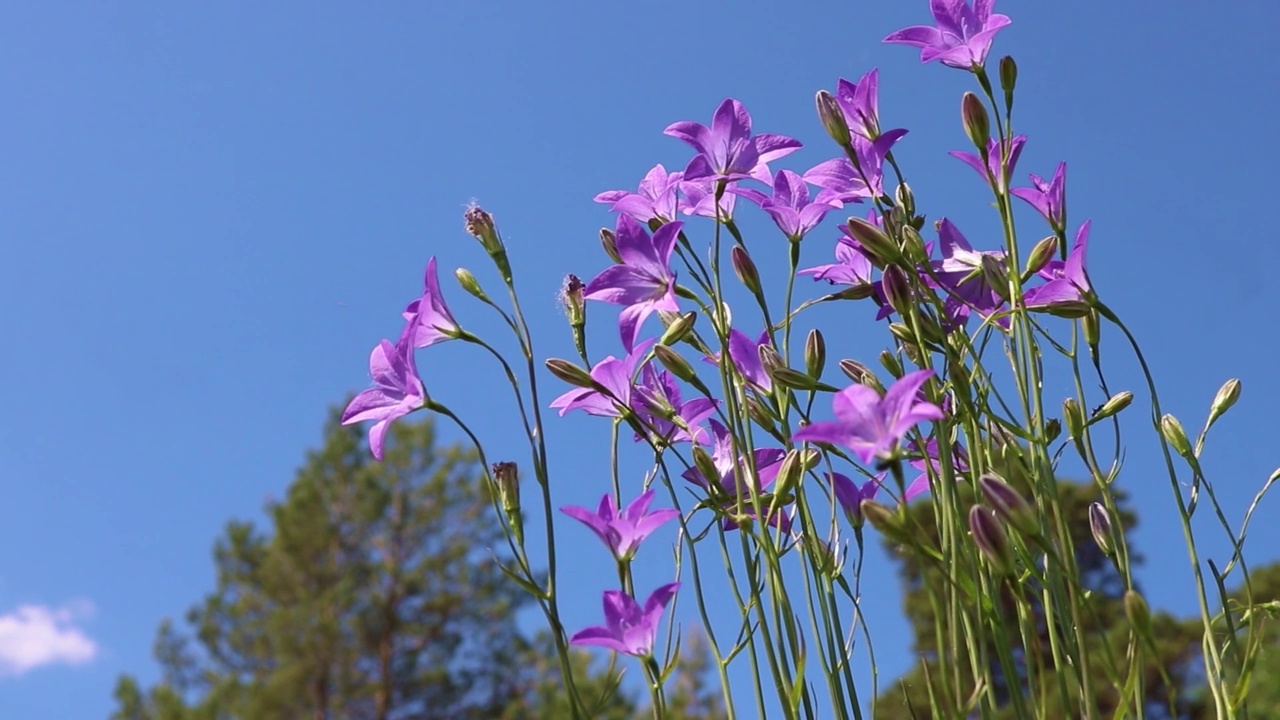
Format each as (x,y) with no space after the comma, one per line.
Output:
(793,379)
(976,123)
(1227,396)
(675,363)
(877,245)
(1052,429)
(815,353)
(913,245)
(891,363)
(470,284)
(897,290)
(1074,418)
(678,328)
(507,477)
(745,269)
(905,198)
(1040,256)
(832,117)
(609,242)
(706,466)
(1172,431)
(887,522)
(1092,328)
(1009,504)
(1139,615)
(1100,527)
(855,371)
(996,274)
(770,360)
(1113,405)
(761,415)
(789,473)
(1008,74)
(991,539)
(570,373)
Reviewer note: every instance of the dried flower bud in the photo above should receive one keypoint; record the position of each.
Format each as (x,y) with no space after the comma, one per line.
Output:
(745,269)
(470,284)
(991,539)
(678,328)
(1113,405)
(1009,504)
(877,245)
(832,117)
(570,373)
(1040,256)
(891,363)
(675,363)
(1100,526)
(1177,437)
(855,371)
(571,297)
(815,353)
(609,242)
(1227,396)
(897,290)
(1008,74)
(976,123)
(480,225)
(1074,417)
(506,476)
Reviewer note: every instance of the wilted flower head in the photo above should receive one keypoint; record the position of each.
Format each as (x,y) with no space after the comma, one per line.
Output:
(727,150)
(962,37)
(628,627)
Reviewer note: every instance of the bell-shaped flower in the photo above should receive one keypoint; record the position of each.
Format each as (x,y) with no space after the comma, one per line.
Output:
(727,150)
(657,402)
(397,390)
(852,266)
(429,316)
(1049,198)
(789,205)
(1068,292)
(962,37)
(993,171)
(700,200)
(849,495)
(859,104)
(960,271)
(622,530)
(871,425)
(929,459)
(628,627)
(655,199)
(616,376)
(644,282)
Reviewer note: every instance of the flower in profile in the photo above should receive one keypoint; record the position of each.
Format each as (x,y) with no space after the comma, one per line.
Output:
(992,171)
(700,200)
(745,355)
(929,459)
(1068,291)
(852,266)
(871,425)
(850,495)
(789,205)
(960,271)
(622,530)
(962,36)
(612,374)
(842,180)
(655,199)
(397,390)
(727,150)
(656,400)
(429,317)
(628,628)
(1049,198)
(860,105)
(766,462)
(644,282)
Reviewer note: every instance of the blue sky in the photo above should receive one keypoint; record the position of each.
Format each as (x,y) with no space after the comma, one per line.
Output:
(210,213)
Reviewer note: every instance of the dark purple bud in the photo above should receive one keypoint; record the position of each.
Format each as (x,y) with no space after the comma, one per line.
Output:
(1008,74)
(1009,504)
(1100,527)
(976,123)
(570,373)
(745,269)
(832,117)
(855,371)
(609,242)
(991,539)
(815,354)
(897,290)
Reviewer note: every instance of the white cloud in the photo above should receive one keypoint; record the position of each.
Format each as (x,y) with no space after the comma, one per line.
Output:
(33,636)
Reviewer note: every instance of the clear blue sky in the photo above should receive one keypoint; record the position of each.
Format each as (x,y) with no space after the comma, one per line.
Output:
(210,213)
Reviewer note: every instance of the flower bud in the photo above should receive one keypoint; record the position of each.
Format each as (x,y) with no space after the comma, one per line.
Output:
(1074,418)
(996,274)
(1227,396)
(745,269)
(506,476)
(903,334)
(856,371)
(789,473)
(913,245)
(832,117)
(706,466)
(976,123)
(678,328)
(1052,429)
(815,353)
(897,290)
(1008,74)
(675,363)
(1113,405)
(1092,328)
(991,539)
(905,198)
(1139,615)
(793,379)
(1040,256)
(770,360)
(761,415)
(1175,435)
(891,363)
(470,284)
(570,373)
(887,522)
(609,242)
(1100,527)
(1009,504)
(877,245)
(861,291)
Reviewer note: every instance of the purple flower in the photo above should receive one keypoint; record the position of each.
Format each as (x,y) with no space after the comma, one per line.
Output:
(992,171)
(767,461)
(397,390)
(844,182)
(1068,291)
(429,317)
(962,37)
(727,150)
(644,281)
(960,271)
(929,458)
(655,198)
(700,200)
(789,206)
(850,495)
(622,530)
(615,376)
(656,400)
(1048,198)
(871,425)
(628,628)
(859,104)
(745,355)
(852,266)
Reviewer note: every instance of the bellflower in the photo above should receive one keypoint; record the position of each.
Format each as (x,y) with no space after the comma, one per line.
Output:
(622,530)
(852,266)
(1048,198)
(962,37)
(860,105)
(397,390)
(655,198)
(644,282)
(960,270)
(789,205)
(1068,291)
(727,150)
(871,425)
(992,171)
(767,461)
(628,627)
(850,495)
(745,355)
(656,400)
(929,458)
(615,376)
(700,200)
(844,182)
(429,316)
